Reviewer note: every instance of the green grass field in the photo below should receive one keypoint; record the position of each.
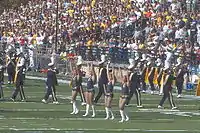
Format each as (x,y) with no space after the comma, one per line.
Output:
(35,117)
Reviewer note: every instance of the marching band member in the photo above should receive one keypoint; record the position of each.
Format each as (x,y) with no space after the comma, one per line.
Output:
(2,58)
(167,86)
(31,54)
(158,74)
(169,50)
(124,79)
(169,53)
(109,92)
(148,68)
(90,91)
(101,78)
(180,71)
(76,84)
(143,72)
(133,80)
(19,79)
(1,78)
(151,74)
(10,64)
(51,82)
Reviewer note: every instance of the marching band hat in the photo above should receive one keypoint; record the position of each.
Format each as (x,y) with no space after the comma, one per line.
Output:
(143,57)
(18,52)
(9,49)
(148,60)
(166,39)
(158,62)
(179,60)
(51,64)
(137,56)
(1,67)
(167,65)
(79,61)
(53,54)
(103,59)
(31,47)
(132,63)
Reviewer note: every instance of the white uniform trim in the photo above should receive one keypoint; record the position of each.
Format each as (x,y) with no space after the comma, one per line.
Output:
(20,62)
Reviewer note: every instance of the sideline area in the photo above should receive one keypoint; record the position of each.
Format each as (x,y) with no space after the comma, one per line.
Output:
(35,117)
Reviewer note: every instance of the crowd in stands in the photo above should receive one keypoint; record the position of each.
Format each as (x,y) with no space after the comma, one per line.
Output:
(145,25)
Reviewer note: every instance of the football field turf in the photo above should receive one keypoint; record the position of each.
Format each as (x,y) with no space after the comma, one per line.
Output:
(35,117)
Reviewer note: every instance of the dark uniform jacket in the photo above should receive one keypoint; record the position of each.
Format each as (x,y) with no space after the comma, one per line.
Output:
(1,73)
(180,72)
(134,79)
(168,82)
(51,78)
(11,65)
(103,79)
(19,78)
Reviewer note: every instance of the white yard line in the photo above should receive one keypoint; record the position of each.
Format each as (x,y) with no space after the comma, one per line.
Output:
(52,110)
(33,103)
(80,119)
(62,119)
(98,129)
(161,111)
(22,102)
